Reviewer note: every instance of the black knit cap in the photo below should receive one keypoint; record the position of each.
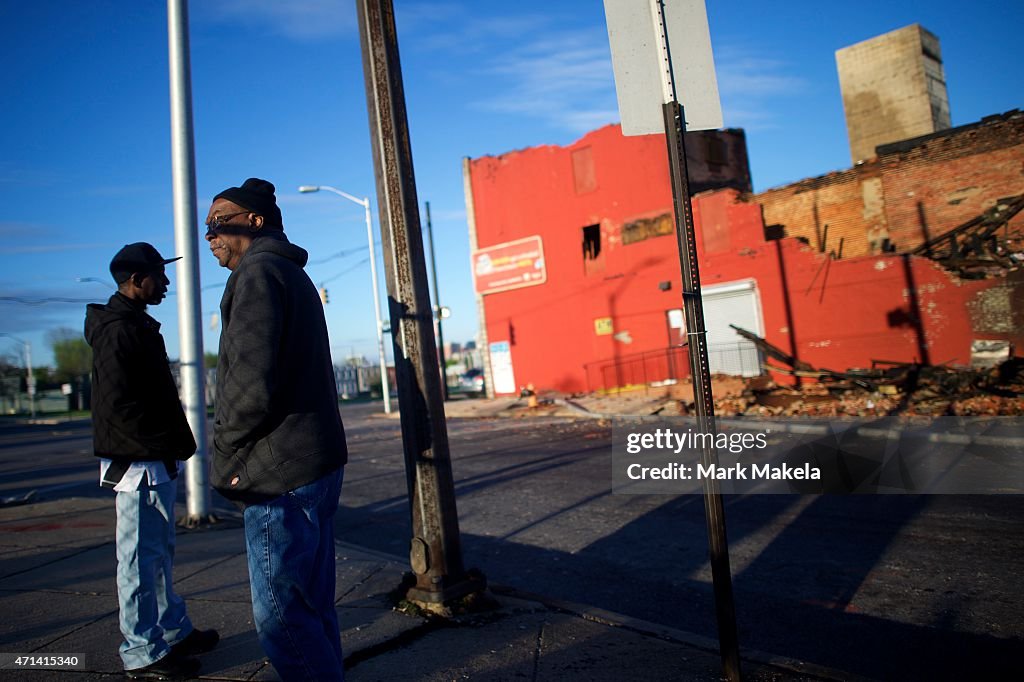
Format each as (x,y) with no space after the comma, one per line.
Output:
(257,196)
(138,258)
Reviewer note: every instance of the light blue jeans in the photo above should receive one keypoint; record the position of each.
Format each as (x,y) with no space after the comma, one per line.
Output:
(290,545)
(152,616)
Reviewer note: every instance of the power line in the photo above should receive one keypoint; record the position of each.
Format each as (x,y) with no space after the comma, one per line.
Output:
(345,271)
(60,299)
(44,301)
(339,254)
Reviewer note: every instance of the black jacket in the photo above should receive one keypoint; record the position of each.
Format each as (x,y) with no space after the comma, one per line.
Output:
(136,413)
(277,422)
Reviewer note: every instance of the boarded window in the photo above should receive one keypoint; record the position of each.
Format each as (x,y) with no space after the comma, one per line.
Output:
(639,230)
(583,170)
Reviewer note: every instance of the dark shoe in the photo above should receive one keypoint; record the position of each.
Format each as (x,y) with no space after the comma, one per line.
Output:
(170,667)
(197,642)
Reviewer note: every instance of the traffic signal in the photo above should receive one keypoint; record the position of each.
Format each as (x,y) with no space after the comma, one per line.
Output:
(323,295)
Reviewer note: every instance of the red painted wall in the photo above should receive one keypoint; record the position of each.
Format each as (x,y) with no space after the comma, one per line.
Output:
(842,313)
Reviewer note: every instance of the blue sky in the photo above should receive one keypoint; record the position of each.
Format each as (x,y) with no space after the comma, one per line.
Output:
(278,93)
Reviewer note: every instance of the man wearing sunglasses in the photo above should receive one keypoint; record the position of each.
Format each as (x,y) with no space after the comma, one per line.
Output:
(279,444)
(141,434)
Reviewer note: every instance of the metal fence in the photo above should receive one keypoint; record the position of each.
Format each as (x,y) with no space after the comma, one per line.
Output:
(668,365)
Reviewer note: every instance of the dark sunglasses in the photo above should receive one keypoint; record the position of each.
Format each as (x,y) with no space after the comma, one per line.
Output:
(217,222)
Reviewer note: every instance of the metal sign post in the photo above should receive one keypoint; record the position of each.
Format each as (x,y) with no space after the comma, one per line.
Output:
(640,39)
(704,402)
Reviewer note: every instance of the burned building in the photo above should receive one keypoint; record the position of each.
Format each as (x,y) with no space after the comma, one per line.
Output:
(909,192)
(581,290)
(913,255)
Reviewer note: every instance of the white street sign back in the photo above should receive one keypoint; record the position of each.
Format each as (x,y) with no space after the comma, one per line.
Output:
(639,63)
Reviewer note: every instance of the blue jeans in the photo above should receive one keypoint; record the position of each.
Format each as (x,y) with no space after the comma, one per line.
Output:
(290,545)
(152,616)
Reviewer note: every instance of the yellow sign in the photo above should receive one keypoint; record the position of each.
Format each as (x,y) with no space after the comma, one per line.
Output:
(603,326)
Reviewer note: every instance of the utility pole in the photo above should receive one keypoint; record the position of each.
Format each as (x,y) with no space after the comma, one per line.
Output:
(30,381)
(186,243)
(437,306)
(435,552)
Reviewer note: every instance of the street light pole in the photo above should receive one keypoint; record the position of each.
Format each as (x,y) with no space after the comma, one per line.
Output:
(186,245)
(365,203)
(30,380)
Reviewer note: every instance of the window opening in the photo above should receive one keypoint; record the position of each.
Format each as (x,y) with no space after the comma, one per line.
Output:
(591,242)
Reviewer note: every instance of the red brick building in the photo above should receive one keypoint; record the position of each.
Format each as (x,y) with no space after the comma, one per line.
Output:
(910,192)
(577,268)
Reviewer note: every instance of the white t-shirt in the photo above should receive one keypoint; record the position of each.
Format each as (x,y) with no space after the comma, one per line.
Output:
(155,471)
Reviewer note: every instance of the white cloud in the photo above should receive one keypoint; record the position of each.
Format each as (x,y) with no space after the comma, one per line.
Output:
(10,229)
(562,77)
(301,20)
(740,74)
(541,66)
(52,248)
(569,85)
(748,84)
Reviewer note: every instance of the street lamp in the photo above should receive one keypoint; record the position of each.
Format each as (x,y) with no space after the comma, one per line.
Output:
(365,203)
(30,380)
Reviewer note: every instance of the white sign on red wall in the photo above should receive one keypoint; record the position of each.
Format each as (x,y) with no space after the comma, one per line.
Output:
(501,368)
(511,265)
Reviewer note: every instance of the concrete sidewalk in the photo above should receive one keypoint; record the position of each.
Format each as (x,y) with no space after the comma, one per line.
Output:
(57,597)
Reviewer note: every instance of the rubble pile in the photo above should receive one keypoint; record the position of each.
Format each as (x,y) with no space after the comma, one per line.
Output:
(888,388)
(898,390)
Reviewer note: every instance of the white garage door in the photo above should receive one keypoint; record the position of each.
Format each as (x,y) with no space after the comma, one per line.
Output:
(735,303)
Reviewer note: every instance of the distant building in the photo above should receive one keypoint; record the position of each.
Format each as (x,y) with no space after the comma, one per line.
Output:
(356,377)
(894,88)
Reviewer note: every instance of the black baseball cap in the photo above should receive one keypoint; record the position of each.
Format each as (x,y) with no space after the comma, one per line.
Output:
(140,257)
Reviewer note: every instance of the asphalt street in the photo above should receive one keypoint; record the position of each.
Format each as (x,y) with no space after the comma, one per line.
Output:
(890,587)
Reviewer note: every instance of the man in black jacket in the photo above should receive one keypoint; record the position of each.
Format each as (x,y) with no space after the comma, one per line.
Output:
(278,438)
(141,434)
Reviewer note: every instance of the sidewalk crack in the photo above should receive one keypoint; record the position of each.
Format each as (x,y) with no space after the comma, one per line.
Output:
(538,650)
(204,569)
(78,629)
(374,571)
(404,639)
(53,561)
